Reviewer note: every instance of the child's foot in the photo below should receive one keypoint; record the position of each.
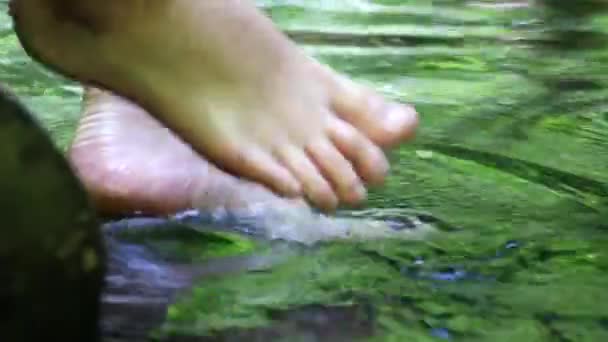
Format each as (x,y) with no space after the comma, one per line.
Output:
(230,84)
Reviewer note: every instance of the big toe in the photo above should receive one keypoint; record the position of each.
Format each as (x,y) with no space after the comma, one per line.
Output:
(384,122)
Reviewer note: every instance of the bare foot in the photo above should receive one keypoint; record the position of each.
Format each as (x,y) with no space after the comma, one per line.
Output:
(129,162)
(221,76)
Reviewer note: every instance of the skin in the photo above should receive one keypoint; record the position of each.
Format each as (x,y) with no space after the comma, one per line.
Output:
(276,117)
(130,162)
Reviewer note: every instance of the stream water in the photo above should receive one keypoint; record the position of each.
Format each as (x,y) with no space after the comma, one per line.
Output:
(509,168)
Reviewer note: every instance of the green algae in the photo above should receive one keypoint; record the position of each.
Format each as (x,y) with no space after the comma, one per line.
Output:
(490,297)
(183,244)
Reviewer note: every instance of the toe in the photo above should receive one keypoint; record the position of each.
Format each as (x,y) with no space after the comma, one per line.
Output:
(315,187)
(385,123)
(367,158)
(338,170)
(260,165)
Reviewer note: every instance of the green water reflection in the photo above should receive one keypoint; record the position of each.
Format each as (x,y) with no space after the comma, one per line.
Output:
(511,157)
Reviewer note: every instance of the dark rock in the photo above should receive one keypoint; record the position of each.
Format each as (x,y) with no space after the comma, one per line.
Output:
(52,259)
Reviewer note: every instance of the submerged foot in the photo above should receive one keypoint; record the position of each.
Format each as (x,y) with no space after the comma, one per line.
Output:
(222,77)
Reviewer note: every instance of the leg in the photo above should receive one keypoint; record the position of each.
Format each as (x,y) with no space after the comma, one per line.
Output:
(275,117)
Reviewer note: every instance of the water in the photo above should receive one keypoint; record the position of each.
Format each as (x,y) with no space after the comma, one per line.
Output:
(509,165)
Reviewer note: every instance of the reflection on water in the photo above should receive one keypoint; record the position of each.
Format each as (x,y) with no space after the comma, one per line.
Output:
(508,168)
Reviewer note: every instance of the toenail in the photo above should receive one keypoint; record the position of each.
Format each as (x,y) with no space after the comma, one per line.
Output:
(376,104)
(383,167)
(399,116)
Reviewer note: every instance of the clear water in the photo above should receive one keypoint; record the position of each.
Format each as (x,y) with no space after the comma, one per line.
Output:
(509,166)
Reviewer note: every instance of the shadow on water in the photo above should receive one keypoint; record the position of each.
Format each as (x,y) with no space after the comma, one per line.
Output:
(509,166)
